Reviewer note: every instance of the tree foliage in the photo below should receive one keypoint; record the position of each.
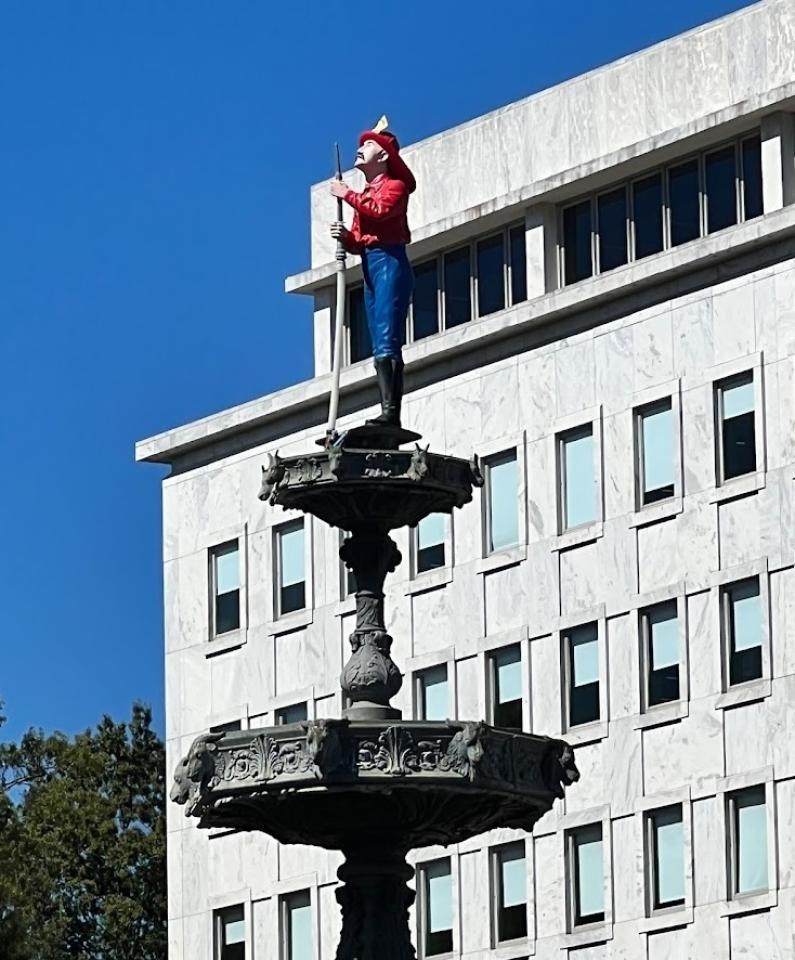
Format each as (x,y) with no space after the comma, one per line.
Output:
(82,844)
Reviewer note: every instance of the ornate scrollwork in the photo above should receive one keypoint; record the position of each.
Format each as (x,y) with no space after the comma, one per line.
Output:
(397,754)
(379,464)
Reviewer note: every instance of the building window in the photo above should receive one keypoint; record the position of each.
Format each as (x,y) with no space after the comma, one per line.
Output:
(429,542)
(361,344)
(666,858)
(231,727)
(502,501)
(577,481)
(490,256)
(296,920)
(457,287)
(425,301)
(510,892)
(225,586)
(577,242)
(742,628)
(654,426)
(736,429)
(436,908)
(230,934)
(660,632)
(662,210)
(291,577)
(684,203)
(586,875)
(748,841)
(516,239)
(582,667)
(294,713)
(611,231)
(648,216)
(431,694)
(505,668)
(720,178)
(751,158)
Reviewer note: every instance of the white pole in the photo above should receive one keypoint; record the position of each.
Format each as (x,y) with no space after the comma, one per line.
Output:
(339,323)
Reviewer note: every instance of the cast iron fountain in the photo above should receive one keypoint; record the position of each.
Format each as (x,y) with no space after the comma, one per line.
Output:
(371,784)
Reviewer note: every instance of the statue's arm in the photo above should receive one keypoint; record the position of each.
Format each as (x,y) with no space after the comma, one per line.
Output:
(389,201)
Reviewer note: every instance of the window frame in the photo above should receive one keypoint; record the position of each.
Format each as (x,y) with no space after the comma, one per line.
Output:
(561,428)
(595,730)
(422,915)
(677,708)
(664,170)
(576,922)
(217,929)
(639,415)
(494,854)
(414,550)
(419,707)
(655,908)
(734,904)
(727,631)
(213,552)
(662,918)
(491,656)
(596,254)
(719,387)
(641,401)
(284,896)
(283,622)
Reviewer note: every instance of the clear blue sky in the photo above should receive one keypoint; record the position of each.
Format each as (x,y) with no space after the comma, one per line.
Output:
(154,174)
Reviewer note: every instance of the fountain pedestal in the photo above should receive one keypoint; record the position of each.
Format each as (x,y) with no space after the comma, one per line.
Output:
(370,784)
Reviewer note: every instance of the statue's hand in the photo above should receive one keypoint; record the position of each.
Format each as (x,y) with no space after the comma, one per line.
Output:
(338,189)
(338,230)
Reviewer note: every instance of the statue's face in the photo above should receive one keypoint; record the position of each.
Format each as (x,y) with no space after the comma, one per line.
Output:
(371,157)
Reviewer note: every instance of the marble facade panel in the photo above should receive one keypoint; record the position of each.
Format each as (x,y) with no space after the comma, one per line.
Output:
(591,790)
(693,339)
(782,621)
(709,877)
(780,43)
(628,882)
(698,439)
(434,621)
(476,920)
(541,490)
(703,630)
(784,294)
(537,393)
(506,598)
(658,564)
(687,753)
(741,532)
(614,365)
(623,766)
(575,377)
(550,887)
(330,918)
(470,692)
(745,731)
(196,935)
(623,657)
(732,317)
(499,410)
(618,442)
(580,578)
(546,684)
(653,350)
(785,829)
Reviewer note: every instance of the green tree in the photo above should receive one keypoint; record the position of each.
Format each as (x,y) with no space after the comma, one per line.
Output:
(82,844)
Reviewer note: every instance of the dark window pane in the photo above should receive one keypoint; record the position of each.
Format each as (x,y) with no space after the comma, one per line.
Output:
(429,558)
(752,178)
(518,265)
(233,951)
(295,713)
(512,922)
(588,875)
(292,597)
(720,171)
(508,714)
(457,294)
(738,428)
(683,197)
(227,611)
(426,303)
(491,275)
(584,704)
(438,941)
(612,213)
(664,685)
(745,631)
(577,262)
(361,345)
(648,216)
(745,665)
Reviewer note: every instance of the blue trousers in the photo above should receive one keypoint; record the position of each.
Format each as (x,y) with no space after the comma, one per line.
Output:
(388,285)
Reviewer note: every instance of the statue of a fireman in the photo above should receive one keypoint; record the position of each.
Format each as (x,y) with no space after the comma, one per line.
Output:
(379,233)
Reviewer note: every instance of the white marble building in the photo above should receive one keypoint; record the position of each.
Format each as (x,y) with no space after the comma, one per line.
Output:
(606,314)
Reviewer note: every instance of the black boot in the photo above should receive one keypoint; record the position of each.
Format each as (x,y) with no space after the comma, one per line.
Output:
(388,382)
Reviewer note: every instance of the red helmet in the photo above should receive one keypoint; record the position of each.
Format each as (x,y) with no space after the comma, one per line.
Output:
(397,167)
